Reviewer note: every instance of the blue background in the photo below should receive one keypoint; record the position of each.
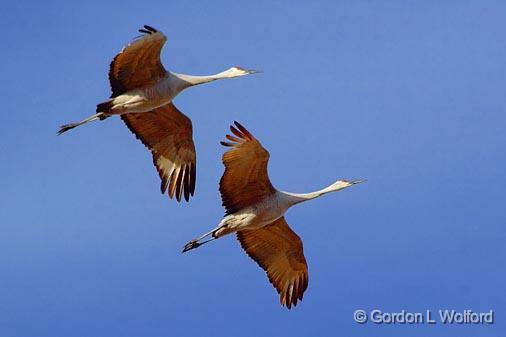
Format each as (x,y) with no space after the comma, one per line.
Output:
(408,94)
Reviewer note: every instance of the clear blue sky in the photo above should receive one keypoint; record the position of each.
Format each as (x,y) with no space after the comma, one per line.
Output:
(410,95)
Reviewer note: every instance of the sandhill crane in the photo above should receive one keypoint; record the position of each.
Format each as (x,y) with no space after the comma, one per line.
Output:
(142,93)
(255,212)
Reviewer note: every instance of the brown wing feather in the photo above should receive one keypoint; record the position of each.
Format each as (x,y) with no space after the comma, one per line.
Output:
(138,64)
(167,132)
(245,181)
(278,250)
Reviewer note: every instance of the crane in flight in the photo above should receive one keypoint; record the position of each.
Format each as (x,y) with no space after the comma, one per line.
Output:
(255,212)
(142,94)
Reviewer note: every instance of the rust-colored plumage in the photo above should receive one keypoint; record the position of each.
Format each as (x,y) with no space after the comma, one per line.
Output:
(138,65)
(245,181)
(167,132)
(278,251)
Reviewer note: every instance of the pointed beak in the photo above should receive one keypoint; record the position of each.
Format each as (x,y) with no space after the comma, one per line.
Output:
(358,181)
(253,71)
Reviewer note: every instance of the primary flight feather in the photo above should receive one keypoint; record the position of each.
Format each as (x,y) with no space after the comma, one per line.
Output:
(142,93)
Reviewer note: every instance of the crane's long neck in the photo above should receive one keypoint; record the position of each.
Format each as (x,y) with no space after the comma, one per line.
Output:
(296,198)
(192,80)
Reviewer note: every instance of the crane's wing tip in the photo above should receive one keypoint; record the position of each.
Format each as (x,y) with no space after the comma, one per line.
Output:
(148,30)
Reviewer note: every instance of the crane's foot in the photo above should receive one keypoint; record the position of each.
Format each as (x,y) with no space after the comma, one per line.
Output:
(66,127)
(195,244)
(191,245)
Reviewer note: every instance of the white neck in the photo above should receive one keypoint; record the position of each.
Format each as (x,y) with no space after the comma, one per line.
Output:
(192,80)
(296,198)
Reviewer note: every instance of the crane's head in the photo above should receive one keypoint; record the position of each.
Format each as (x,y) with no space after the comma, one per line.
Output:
(238,71)
(340,184)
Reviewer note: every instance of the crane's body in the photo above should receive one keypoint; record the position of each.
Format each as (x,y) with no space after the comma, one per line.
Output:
(270,209)
(142,94)
(146,99)
(255,211)
(161,92)
(255,216)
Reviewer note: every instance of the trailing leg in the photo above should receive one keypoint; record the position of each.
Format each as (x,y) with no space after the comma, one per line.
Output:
(66,127)
(214,234)
(102,112)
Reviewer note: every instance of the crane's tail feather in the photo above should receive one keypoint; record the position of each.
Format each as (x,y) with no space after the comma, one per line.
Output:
(104,106)
(67,127)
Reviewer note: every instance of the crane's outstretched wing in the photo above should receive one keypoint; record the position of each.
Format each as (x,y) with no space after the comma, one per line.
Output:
(138,64)
(278,250)
(245,181)
(167,132)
